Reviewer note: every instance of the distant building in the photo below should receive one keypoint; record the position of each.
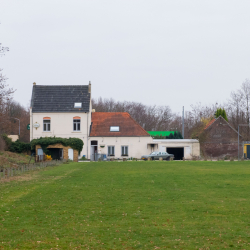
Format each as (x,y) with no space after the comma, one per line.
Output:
(219,139)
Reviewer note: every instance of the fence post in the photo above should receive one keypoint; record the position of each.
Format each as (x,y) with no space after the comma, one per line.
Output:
(4,173)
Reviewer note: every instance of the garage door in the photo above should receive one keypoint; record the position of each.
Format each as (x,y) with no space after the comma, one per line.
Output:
(177,152)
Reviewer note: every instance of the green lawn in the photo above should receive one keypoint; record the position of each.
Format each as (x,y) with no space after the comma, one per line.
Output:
(128,205)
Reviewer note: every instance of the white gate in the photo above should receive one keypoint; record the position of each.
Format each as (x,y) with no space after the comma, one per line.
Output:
(40,154)
(70,154)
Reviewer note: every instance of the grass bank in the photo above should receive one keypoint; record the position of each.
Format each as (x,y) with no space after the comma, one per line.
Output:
(129,205)
(8,158)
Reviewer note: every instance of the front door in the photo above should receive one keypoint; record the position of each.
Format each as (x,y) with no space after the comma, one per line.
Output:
(93,150)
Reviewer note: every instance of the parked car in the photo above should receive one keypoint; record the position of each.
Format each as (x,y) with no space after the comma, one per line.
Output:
(156,155)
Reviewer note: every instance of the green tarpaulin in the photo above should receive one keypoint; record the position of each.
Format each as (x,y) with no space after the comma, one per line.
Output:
(163,133)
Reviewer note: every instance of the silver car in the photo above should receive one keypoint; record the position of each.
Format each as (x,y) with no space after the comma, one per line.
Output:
(157,155)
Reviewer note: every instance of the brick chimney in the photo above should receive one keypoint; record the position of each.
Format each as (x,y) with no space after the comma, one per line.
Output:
(89,86)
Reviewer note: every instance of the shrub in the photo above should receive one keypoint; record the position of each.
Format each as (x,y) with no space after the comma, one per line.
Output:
(17,146)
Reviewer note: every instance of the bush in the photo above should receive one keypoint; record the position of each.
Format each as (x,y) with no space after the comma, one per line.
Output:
(17,146)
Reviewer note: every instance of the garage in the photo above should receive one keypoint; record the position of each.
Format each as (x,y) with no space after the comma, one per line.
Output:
(177,152)
(187,148)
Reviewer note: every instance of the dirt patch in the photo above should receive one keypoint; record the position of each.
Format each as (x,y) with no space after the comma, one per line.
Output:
(26,177)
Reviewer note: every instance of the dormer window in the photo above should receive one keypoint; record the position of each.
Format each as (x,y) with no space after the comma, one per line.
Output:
(78,105)
(114,128)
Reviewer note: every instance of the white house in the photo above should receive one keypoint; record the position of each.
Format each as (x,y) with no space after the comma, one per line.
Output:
(61,111)
(66,111)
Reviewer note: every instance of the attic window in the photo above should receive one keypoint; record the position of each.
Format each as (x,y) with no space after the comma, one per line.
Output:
(78,105)
(114,128)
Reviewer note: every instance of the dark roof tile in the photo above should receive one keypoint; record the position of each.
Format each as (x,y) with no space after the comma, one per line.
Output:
(59,98)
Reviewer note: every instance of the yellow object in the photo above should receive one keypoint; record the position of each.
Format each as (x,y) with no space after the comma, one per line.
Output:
(245,150)
(48,157)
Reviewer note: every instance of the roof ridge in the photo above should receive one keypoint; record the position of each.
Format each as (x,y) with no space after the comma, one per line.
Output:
(53,85)
(229,124)
(210,123)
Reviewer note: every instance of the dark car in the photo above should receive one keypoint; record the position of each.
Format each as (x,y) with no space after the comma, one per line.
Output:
(157,155)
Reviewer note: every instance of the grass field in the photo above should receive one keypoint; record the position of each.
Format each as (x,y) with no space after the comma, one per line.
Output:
(128,205)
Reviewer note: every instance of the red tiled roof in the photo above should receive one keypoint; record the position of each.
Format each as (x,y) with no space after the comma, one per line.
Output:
(210,123)
(102,121)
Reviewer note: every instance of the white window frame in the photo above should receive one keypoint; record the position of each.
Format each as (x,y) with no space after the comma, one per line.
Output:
(114,129)
(77,123)
(123,150)
(46,125)
(111,146)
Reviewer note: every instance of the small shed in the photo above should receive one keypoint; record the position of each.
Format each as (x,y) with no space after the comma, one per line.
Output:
(59,152)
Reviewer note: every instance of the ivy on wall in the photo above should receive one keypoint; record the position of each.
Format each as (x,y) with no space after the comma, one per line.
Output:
(44,142)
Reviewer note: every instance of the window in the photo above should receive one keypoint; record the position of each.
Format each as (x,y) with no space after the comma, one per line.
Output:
(76,125)
(124,150)
(78,105)
(111,150)
(46,125)
(114,128)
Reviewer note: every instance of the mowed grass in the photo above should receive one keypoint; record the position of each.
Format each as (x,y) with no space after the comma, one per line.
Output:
(129,205)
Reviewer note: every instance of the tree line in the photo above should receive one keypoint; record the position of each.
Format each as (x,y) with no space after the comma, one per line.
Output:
(161,118)
(11,110)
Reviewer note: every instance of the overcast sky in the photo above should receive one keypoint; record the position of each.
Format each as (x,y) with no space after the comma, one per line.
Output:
(158,52)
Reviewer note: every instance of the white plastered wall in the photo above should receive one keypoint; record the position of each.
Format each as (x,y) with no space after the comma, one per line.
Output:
(61,126)
(137,146)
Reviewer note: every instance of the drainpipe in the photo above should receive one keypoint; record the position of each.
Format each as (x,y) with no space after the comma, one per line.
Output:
(31,125)
(87,135)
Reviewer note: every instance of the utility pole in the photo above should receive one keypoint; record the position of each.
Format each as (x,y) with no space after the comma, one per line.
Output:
(19,125)
(183,122)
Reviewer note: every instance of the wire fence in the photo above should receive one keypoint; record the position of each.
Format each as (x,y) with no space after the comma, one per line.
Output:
(19,169)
